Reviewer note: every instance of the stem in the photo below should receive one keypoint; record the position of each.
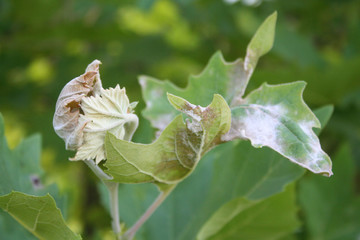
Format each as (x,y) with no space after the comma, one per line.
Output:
(112,188)
(162,196)
(114,207)
(132,122)
(97,170)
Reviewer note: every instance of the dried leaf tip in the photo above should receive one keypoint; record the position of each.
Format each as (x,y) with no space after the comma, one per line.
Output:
(85,112)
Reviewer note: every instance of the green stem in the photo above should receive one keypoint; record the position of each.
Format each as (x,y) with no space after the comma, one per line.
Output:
(97,170)
(114,207)
(132,122)
(112,188)
(129,235)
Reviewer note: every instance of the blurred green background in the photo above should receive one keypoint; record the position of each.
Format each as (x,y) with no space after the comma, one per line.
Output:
(46,43)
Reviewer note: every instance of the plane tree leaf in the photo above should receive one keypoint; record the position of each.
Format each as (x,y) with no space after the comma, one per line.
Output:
(331,207)
(20,171)
(39,215)
(20,167)
(275,116)
(241,218)
(177,151)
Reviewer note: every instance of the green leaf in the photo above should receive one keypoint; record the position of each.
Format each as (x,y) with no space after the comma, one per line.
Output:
(39,215)
(20,167)
(20,171)
(241,218)
(176,152)
(261,43)
(276,116)
(331,206)
(323,114)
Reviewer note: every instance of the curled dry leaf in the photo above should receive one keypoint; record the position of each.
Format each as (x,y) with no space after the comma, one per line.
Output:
(67,110)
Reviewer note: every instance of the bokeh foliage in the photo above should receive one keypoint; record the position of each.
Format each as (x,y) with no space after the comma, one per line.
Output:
(44,44)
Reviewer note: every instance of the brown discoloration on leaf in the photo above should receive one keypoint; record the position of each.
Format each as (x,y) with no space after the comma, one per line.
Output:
(179,148)
(67,110)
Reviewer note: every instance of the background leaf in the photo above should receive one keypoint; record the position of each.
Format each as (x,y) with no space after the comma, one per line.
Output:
(244,219)
(20,170)
(331,208)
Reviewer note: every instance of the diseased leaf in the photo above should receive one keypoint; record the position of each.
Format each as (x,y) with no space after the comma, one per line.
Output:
(67,110)
(277,117)
(39,215)
(331,207)
(274,116)
(218,77)
(240,218)
(176,152)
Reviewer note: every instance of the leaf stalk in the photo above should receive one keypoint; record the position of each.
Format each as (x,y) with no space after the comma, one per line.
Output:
(113,189)
(129,235)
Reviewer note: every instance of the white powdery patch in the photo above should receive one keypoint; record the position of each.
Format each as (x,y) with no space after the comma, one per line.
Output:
(307,127)
(194,126)
(316,154)
(257,126)
(261,128)
(191,113)
(267,126)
